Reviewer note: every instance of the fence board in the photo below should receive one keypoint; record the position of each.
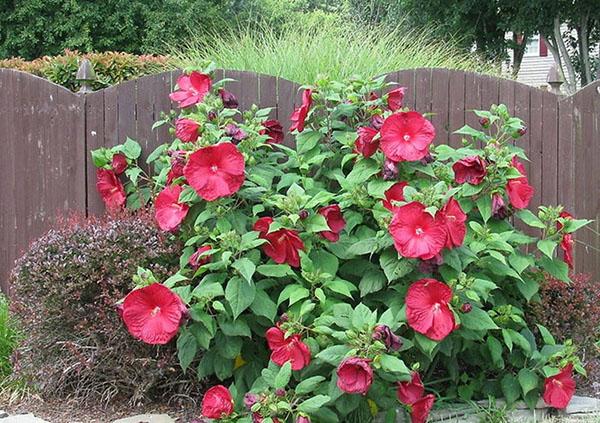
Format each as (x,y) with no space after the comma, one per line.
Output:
(55,130)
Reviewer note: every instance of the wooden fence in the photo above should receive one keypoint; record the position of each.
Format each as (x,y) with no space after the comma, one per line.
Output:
(46,133)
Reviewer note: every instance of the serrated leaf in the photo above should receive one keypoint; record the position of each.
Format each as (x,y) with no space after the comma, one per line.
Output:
(528,380)
(530,219)
(307,140)
(477,319)
(484,204)
(240,295)
(393,266)
(313,404)
(283,376)
(245,267)
(275,270)
(308,385)
(333,355)
(186,349)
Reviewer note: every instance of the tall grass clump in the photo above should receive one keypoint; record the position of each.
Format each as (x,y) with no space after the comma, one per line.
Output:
(8,339)
(303,51)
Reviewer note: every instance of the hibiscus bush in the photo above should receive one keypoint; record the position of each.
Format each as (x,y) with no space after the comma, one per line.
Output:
(358,269)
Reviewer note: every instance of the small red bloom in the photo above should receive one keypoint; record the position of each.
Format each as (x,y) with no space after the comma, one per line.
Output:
(416,233)
(471,170)
(560,388)
(187,129)
(274,130)
(198,259)
(406,136)
(192,89)
(427,309)
(516,163)
(215,171)
(499,209)
(567,242)
(177,166)
(384,334)
(217,403)
(119,163)
(519,192)
(110,188)
(410,392)
(287,349)
(169,212)
(299,115)
(453,218)
(420,409)
(395,98)
(335,220)
(283,244)
(355,375)
(364,144)
(394,194)
(153,314)
(229,100)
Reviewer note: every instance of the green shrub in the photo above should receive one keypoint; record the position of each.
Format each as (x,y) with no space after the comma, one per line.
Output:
(8,339)
(66,288)
(110,67)
(304,50)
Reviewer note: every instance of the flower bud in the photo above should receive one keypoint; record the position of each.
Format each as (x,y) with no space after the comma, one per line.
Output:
(303,419)
(522,131)
(499,209)
(485,122)
(466,307)
(377,122)
(303,214)
(280,392)
(235,132)
(250,399)
(427,159)
(229,100)
(284,318)
(390,170)
(390,339)
(212,115)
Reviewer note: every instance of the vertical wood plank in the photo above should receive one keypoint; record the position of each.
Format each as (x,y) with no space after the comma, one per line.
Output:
(549,149)
(440,92)
(456,112)
(406,78)
(535,166)
(95,138)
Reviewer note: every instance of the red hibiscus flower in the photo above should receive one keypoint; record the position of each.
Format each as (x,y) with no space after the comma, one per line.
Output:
(287,349)
(187,129)
(192,89)
(217,403)
(420,410)
(335,220)
(355,375)
(274,130)
(516,163)
(416,233)
(559,389)
(283,244)
(395,98)
(215,171)
(110,188)
(177,166)
(394,194)
(567,242)
(427,309)
(229,100)
(169,212)
(364,144)
(153,314)
(119,163)
(199,258)
(453,218)
(519,192)
(410,392)
(406,136)
(299,115)
(471,170)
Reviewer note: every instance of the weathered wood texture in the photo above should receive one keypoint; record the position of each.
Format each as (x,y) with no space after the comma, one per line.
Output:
(46,133)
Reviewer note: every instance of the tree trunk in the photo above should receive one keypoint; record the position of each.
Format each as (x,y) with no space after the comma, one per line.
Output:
(518,52)
(584,51)
(571,80)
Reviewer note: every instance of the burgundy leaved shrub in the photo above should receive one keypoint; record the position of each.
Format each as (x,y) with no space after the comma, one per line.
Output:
(66,288)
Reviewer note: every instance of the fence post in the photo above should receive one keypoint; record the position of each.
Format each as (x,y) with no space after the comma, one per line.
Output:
(86,75)
(554,80)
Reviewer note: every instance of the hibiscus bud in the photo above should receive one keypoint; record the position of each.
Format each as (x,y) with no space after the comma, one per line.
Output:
(280,392)
(250,399)
(303,214)
(229,100)
(217,402)
(466,308)
(431,265)
(235,132)
(212,115)
(284,318)
(303,419)
(119,163)
(499,209)
(522,131)
(377,122)
(427,159)
(390,339)
(485,122)
(355,375)
(390,170)
(197,260)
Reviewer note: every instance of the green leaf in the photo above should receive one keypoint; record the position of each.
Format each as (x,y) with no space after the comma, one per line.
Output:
(556,268)
(316,223)
(425,344)
(307,140)
(283,376)
(364,246)
(132,149)
(264,306)
(528,287)
(293,293)
(186,349)
(340,286)
(528,380)
(101,157)
(158,151)
(393,364)
(530,219)
(245,267)
(275,270)
(547,247)
(546,335)
(362,316)
(362,171)
(495,348)
(571,225)
(325,262)
(484,204)
(510,388)
(308,385)
(373,281)
(467,130)
(312,405)
(333,355)
(235,328)
(393,266)
(240,294)
(477,319)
